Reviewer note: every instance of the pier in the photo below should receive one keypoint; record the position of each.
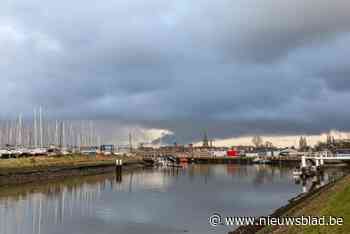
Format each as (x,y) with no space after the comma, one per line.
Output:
(317,162)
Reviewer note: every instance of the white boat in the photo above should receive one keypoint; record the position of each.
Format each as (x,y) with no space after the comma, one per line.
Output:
(265,161)
(5,152)
(256,160)
(260,160)
(297,172)
(162,162)
(21,151)
(313,168)
(39,151)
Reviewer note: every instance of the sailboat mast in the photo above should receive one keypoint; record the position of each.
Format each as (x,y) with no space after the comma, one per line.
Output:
(20,129)
(35,130)
(41,126)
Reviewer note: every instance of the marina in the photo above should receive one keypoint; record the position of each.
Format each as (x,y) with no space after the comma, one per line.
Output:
(141,199)
(174,117)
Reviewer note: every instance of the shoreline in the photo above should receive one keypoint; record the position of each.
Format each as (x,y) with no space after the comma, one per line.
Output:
(286,209)
(56,171)
(243,160)
(35,169)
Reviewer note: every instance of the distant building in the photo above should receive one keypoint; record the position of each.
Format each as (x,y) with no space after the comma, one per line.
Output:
(88,150)
(107,149)
(205,140)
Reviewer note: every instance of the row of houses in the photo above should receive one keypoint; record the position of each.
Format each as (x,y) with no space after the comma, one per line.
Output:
(179,150)
(192,151)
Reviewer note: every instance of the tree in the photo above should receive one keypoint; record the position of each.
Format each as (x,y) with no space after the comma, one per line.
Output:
(268,144)
(303,143)
(330,140)
(257,141)
(320,146)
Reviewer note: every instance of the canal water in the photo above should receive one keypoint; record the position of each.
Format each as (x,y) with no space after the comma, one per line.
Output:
(149,201)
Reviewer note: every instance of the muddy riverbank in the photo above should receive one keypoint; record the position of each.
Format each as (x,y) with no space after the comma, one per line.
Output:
(43,171)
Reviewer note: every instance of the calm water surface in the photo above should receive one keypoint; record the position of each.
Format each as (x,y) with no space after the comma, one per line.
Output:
(148,201)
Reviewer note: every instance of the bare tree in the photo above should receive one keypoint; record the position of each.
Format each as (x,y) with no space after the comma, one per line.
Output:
(268,144)
(303,143)
(257,141)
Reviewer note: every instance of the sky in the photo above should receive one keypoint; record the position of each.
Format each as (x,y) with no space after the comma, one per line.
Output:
(234,68)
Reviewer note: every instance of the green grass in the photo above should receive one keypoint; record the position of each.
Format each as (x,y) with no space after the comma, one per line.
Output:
(18,165)
(333,201)
(338,205)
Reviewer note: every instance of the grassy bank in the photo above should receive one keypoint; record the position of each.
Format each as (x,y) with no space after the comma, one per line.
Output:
(332,201)
(32,164)
(46,187)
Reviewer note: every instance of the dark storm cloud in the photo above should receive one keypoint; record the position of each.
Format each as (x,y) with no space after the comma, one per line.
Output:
(232,67)
(338,79)
(281,26)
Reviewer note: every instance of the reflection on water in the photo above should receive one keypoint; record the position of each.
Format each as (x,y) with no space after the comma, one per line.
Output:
(164,200)
(320,179)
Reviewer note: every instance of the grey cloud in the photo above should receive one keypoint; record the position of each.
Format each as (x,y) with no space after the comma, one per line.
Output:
(232,67)
(338,79)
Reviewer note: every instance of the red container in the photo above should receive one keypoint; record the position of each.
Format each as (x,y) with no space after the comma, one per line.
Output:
(232,153)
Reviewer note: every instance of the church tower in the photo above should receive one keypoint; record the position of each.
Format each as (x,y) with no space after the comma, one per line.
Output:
(205,139)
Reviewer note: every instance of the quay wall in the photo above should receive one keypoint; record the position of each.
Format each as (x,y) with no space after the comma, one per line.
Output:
(62,172)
